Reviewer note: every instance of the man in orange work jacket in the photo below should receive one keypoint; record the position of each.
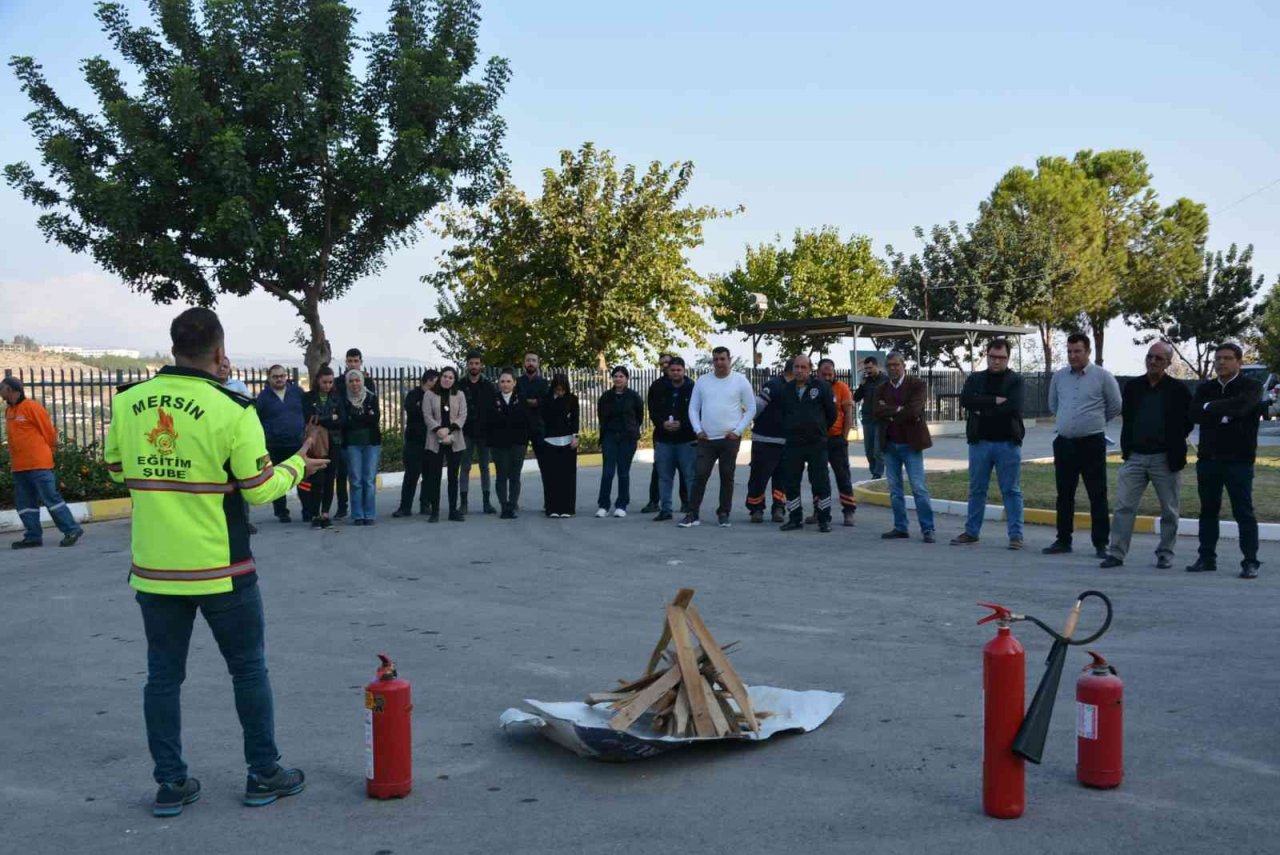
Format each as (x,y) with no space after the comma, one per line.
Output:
(32,439)
(191,452)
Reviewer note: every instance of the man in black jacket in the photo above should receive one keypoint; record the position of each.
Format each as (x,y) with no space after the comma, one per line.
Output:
(1227,409)
(872,439)
(1156,410)
(993,426)
(664,361)
(415,441)
(808,411)
(674,445)
(534,389)
(479,393)
(767,445)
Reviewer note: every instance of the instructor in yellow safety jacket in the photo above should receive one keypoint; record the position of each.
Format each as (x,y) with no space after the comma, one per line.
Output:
(190,450)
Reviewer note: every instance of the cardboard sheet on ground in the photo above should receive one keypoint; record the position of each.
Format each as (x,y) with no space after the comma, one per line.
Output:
(585,729)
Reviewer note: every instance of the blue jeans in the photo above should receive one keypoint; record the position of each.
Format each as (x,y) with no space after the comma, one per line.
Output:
(362,466)
(873,447)
(618,449)
(1006,457)
(33,488)
(667,457)
(896,456)
(237,624)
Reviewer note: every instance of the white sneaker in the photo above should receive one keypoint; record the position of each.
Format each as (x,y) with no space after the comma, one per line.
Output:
(602,513)
(619,513)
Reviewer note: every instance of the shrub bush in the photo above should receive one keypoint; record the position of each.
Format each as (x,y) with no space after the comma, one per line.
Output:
(80,472)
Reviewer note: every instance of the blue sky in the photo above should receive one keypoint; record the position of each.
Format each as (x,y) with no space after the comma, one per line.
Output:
(871,117)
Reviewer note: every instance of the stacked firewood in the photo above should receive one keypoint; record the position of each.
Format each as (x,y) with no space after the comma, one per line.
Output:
(688,688)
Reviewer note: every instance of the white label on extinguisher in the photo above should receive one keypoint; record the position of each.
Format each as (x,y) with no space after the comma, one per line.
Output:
(1086,721)
(368,744)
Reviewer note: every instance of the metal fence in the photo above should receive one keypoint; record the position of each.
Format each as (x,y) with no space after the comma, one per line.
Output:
(79,402)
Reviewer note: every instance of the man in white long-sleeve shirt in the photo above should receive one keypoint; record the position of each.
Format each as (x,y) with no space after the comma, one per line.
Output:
(723,405)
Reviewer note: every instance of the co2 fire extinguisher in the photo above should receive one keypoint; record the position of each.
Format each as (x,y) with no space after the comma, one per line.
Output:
(1099,725)
(1004,679)
(388,736)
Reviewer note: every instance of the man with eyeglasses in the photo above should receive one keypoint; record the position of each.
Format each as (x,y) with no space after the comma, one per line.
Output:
(280,411)
(992,400)
(1227,410)
(1155,409)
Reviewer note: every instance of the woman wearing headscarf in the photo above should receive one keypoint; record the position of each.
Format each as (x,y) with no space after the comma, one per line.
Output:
(506,423)
(362,446)
(444,409)
(560,452)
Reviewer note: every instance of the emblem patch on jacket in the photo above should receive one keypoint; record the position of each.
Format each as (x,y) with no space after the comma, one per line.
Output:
(164,436)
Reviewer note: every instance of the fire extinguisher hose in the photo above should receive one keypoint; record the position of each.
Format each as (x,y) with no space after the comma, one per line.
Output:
(1067,635)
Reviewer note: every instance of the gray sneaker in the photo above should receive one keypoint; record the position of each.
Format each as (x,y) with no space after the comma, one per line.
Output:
(171,798)
(260,790)
(689,521)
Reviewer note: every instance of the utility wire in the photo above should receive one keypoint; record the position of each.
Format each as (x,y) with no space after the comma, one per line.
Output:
(1247,196)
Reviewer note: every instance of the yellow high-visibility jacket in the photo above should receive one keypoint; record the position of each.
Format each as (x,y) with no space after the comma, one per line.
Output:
(189,450)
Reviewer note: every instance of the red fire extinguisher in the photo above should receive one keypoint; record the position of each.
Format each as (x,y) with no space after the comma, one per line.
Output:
(1004,687)
(388,737)
(1099,725)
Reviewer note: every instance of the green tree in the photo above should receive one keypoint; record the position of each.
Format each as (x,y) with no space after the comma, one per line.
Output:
(819,275)
(1145,249)
(250,154)
(1266,335)
(1211,308)
(592,272)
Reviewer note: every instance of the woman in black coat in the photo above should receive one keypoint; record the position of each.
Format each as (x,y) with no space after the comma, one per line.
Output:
(506,424)
(560,451)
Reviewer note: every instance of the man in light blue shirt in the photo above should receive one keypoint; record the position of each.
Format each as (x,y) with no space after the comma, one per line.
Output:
(1083,397)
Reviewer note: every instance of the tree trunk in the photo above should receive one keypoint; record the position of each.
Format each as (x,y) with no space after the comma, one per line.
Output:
(318,351)
(601,362)
(1046,342)
(1099,328)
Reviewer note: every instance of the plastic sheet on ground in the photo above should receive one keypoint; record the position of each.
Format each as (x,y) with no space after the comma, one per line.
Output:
(585,729)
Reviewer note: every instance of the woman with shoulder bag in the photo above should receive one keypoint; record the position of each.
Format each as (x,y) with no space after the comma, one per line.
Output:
(322,408)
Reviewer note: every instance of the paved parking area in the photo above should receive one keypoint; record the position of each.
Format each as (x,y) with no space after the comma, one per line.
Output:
(482,614)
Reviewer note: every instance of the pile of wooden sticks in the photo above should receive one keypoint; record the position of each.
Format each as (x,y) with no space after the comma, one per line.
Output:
(697,693)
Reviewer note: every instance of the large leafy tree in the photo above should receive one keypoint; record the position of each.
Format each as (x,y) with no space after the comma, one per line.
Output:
(1266,333)
(819,275)
(1209,309)
(1146,250)
(251,155)
(591,272)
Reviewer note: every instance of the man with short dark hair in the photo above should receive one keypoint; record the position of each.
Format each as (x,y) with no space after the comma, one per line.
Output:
(1083,397)
(535,389)
(479,392)
(808,410)
(33,441)
(281,412)
(188,449)
(1153,442)
(838,438)
(664,361)
(415,448)
(872,440)
(673,438)
(768,442)
(1227,410)
(900,410)
(992,399)
(722,407)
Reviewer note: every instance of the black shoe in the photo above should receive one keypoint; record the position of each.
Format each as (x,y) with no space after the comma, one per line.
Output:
(792,525)
(895,534)
(1164,562)
(284,518)
(1101,552)
(778,515)
(341,514)
(929,537)
(27,544)
(1203,565)
(1056,548)
(435,516)
(253,529)
(260,790)
(1111,561)
(462,504)
(848,517)
(457,516)
(316,522)
(488,508)
(506,515)
(811,519)
(70,540)
(663,516)
(400,512)
(722,520)
(824,525)
(1249,569)
(171,798)
(757,516)
(324,522)
(651,508)
(689,521)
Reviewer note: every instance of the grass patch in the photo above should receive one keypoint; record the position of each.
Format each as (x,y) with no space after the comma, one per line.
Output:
(1039,490)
